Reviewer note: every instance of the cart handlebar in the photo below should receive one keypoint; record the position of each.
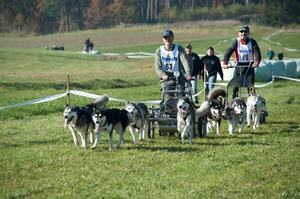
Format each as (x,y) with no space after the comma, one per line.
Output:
(240,66)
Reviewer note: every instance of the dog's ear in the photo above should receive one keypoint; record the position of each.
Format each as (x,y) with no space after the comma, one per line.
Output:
(186,98)
(252,90)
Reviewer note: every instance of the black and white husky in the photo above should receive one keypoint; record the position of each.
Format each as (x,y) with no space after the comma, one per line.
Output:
(79,120)
(255,107)
(187,114)
(214,116)
(110,120)
(236,113)
(139,118)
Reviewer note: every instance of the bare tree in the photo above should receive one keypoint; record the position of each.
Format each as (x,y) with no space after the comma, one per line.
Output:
(152,10)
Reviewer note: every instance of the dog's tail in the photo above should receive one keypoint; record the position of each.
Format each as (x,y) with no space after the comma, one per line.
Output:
(203,109)
(100,102)
(215,93)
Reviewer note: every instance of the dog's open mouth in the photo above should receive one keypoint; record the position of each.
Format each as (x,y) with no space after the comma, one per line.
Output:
(69,119)
(182,110)
(238,112)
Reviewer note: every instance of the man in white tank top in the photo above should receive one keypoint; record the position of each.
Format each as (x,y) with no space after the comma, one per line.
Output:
(245,51)
(169,58)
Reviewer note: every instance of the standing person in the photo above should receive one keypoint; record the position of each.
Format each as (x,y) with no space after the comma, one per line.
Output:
(270,54)
(87,45)
(212,65)
(195,69)
(246,50)
(170,57)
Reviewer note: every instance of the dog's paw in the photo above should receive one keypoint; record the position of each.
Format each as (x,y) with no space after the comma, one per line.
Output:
(94,147)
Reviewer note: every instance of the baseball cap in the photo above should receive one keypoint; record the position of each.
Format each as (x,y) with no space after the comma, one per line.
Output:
(188,46)
(244,28)
(167,33)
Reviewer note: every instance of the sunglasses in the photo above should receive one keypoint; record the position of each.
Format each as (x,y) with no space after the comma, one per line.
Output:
(244,31)
(167,37)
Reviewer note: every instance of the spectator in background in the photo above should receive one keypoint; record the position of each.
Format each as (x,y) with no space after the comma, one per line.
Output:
(212,66)
(195,69)
(270,54)
(280,55)
(88,45)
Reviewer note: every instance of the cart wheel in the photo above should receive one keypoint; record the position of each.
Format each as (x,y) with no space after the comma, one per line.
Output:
(202,126)
(151,130)
(263,117)
(160,133)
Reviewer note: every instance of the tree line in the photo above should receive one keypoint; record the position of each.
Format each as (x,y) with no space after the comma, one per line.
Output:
(49,16)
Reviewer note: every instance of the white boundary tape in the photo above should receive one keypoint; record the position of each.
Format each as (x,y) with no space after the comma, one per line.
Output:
(94,96)
(288,78)
(36,101)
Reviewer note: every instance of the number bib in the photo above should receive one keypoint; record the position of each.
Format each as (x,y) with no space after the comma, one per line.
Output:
(169,59)
(245,54)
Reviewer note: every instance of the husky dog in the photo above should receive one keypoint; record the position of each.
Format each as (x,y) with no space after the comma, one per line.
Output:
(79,119)
(214,115)
(139,118)
(111,119)
(255,106)
(235,113)
(187,114)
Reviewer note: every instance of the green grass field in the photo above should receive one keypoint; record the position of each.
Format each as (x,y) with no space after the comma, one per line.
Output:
(39,160)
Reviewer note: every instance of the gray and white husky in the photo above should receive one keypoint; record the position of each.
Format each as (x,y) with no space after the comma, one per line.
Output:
(79,120)
(110,120)
(255,106)
(187,114)
(216,100)
(139,118)
(236,113)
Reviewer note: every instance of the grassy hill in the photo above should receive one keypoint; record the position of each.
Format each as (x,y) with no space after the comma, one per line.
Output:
(146,38)
(39,160)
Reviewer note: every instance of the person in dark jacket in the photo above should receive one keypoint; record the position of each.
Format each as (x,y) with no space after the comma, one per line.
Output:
(88,45)
(195,69)
(246,51)
(212,66)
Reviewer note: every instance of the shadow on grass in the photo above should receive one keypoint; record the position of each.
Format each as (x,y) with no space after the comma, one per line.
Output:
(171,149)
(29,143)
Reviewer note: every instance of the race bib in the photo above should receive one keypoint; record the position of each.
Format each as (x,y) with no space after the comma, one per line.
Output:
(169,59)
(245,53)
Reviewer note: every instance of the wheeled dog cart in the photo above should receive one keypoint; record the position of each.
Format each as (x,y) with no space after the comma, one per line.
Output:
(240,81)
(164,117)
